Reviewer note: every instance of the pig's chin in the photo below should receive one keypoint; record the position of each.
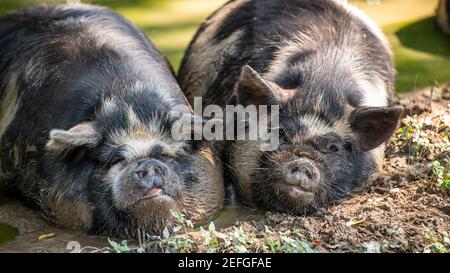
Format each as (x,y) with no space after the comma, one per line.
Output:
(276,195)
(296,194)
(151,200)
(295,199)
(153,214)
(148,209)
(279,195)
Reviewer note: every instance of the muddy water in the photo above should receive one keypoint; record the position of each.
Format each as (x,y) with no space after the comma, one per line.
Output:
(21,227)
(230,215)
(7,233)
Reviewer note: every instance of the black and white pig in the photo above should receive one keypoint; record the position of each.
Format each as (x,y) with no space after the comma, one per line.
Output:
(330,70)
(85,124)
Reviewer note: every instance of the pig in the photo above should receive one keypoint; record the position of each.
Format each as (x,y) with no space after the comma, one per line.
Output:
(85,125)
(442,17)
(328,68)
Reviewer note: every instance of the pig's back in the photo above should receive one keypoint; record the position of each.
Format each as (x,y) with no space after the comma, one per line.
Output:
(58,62)
(289,42)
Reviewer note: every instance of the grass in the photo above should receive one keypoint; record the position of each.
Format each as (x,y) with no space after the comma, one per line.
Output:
(422,52)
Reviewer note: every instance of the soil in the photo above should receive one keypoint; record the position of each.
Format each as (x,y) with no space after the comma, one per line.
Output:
(406,209)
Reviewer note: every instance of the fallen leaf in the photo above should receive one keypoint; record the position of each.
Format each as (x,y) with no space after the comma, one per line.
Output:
(317,242)
(336,246)
(355,222)
(46,236)
(197,235)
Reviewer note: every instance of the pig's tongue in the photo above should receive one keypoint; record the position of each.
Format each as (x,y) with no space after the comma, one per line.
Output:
(152,193)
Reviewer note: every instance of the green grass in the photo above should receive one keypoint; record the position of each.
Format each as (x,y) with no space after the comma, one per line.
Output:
(422,52)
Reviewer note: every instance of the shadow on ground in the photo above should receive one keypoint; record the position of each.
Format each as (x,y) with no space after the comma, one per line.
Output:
(422,54)
(425,36)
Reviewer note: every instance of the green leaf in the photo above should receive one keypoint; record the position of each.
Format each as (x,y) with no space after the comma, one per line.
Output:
(113,244)
(371,247)
(176,229)
(119,248)
(446,183)
(212,227)
(438,248)
(166,233)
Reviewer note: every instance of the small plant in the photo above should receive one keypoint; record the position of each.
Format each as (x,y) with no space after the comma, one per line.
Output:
(119,247)
(412,134)
(371,247)
(175,240)
(274,246)
(438,248)
(442,173)
(239,240)
(291,245)
(210,238)
(182,222)
(434,246)
(421,136)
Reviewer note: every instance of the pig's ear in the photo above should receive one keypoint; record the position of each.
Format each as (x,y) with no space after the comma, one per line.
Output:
(374,125)
(252,89)
(84,134)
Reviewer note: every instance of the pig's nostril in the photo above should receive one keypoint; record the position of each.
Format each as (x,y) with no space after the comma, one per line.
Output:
(302,173)
(159,172)
(309,174)
(142,174)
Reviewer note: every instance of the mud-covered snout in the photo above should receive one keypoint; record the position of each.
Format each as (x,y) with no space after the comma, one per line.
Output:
(303,173)
(151,175)
(301,177)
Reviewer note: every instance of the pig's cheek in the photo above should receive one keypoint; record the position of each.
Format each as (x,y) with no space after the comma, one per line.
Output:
(120,185)
(175,187)
(114,176)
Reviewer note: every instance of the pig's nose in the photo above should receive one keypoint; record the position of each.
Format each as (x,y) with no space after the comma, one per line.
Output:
(151,173)
(302,173)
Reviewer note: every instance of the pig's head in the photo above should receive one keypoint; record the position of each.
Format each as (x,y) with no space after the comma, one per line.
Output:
(326,149)
(140,173)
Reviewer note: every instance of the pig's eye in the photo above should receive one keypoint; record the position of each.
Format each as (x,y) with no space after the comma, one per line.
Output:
(116,156)
(333,148)
(348,146)
(117,160)
(284,139)
(114,159)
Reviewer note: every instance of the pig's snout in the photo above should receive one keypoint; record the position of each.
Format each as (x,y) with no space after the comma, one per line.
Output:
(302,174)
(151,174)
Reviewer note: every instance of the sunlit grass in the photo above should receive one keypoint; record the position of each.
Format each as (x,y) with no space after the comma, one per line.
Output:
(389,12)
(422,54)
(171,25)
